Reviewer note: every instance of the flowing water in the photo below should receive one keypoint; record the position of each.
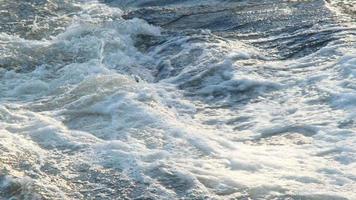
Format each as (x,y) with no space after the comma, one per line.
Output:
(177,99)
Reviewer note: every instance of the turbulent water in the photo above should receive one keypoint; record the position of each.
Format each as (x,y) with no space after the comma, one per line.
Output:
(178,99)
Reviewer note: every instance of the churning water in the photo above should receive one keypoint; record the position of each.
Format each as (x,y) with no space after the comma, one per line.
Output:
(178,99)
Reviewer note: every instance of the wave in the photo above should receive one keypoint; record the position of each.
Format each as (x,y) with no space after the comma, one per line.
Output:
(177,100)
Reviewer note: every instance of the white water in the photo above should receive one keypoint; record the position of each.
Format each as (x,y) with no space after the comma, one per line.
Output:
(91,117)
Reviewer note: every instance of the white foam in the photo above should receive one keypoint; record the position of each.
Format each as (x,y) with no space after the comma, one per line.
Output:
(233,130)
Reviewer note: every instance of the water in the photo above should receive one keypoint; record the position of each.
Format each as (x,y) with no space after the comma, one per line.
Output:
(173,99)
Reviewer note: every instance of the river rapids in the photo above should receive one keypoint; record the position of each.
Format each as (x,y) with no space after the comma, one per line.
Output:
(178,99)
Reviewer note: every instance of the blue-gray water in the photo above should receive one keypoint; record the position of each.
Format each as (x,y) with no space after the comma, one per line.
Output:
(177,99)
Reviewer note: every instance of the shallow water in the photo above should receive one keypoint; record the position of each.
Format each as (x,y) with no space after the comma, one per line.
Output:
(155,99)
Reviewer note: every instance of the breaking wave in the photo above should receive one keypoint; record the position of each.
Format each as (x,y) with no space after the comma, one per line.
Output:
(173,99)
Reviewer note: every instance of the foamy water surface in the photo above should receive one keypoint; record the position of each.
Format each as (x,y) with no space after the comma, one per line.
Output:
(173,99)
